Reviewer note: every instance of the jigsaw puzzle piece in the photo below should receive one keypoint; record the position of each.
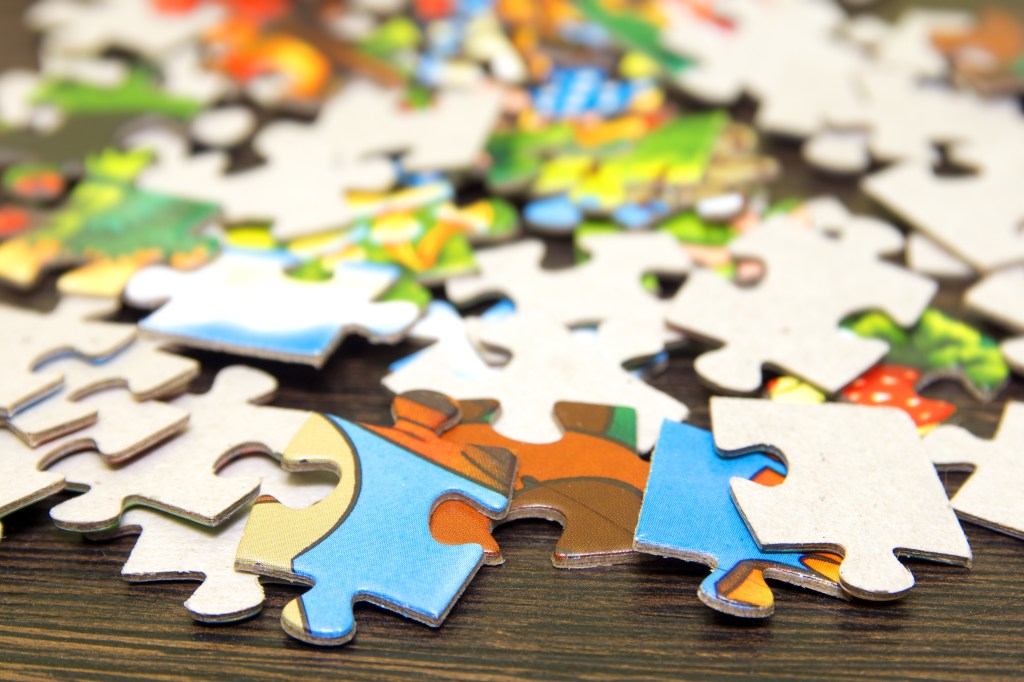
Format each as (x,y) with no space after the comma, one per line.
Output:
(1000,297)
(549,364)
(591,482)
(369,540)
(246,303)
(859,483)
(928,258)
(171,548)
(141,368)
(70,328)
(688,514)
(179,476)
(895,386)
(789,319)
(940,347)
(991,495)
(21,481)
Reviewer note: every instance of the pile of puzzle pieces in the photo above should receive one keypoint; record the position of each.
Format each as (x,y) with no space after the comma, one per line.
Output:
(265,180)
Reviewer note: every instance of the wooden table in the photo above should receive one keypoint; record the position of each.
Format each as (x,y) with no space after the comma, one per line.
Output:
(67,613)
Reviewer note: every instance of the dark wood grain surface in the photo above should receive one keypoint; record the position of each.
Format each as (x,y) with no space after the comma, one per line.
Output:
(67,613)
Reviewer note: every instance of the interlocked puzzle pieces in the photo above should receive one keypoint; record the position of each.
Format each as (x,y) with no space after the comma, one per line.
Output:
(69,328)
(858,482)
(591,482)
(687,513)
(991,496)
(179,477)
(789,320)
(171,548)
(369,540)
(114,229)
(549,365)
(1000,296)
(606,290)
(246,303)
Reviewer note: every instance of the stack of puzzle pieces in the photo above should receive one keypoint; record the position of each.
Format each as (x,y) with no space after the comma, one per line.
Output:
(264,180)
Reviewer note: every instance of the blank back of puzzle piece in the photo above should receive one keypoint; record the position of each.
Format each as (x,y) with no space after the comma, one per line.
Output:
(689,514)
(864,233)
(84,29)
(370,540)
(247,304)
(991,496)
(21,482)
(790,319)
(607,288)
(591,482)
(1000,297)
(548,365)
(928,258)
(31,338)
(172,548)
(859,483)
(977,218)
(142,368)
(179,477)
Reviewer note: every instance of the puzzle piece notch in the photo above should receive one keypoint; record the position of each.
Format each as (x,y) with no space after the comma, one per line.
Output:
(859,483)
(591,482)
(990,496)
(71,327)
(145,371)
(171,548)
(349,542)
(1000,297)
(573,370)
(246,303)
(689,514)
(790,319)
(179,476)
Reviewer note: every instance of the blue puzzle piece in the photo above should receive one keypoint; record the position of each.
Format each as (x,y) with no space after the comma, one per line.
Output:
(688,513)
(382,551)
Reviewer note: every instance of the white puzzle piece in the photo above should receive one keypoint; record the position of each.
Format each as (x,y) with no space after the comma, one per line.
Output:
(246,303)
(992,496)
(142,368)
(69,329)
(548,365)
(866,233)
(1000,297)
(928,258)
(605,290)
(858,482)
(179,477)
(171,548)
(790,319)
(21,481)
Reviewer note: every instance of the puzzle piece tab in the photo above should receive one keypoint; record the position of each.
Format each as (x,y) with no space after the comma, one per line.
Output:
(1000,297)
(789,320)
(858,482)
(991,495)
(246,303)
(688,513)
(369,540)
(591,482)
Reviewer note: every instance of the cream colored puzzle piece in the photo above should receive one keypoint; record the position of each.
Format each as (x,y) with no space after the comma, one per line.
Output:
(790,319)
(992,496)
(858,481)
(171,548)
(21,481)
(179,477)
(548,365)
(1000,297)
(31,338)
